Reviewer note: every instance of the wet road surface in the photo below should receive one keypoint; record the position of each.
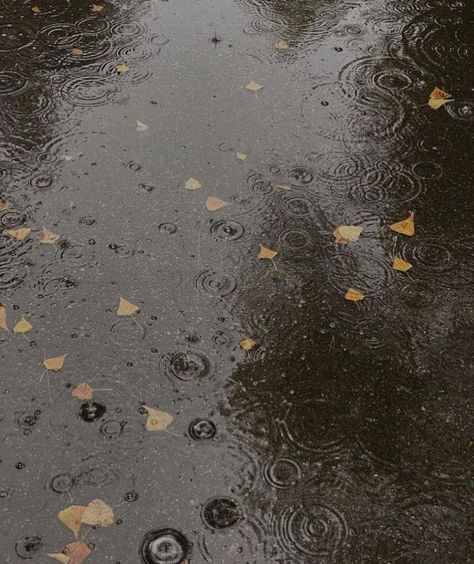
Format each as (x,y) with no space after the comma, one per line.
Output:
(344,433)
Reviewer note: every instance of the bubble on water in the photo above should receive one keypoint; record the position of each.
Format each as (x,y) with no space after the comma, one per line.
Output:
(27,547)
(91,411)
(165,546)
(61,483)
(282,473)
(76,255)
(299,176)
(202,429)
(111,429)
(214,283)
(461,110)
(169,228)
(185,366)
(227,229)
(221,513)
(259,184)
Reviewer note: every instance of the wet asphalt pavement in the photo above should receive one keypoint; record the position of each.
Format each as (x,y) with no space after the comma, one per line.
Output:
(344,434)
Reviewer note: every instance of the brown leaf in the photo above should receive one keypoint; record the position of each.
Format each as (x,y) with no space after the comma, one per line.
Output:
(192,184)
(401,265)
(36,9)
(213,203)
(23,326)
(253,86)
(98,514)
(248,343)
(406,226)
(266,253)
(60,556)
(4,206)
(49,238)
(122,68)
(282,44)
(20,233)
(354,295)
(72,517)
(83,392)
(347,233)
(438,98)
(55,364)
(96,8)
(77,51)
(157,420)
(3,317)
(77,552)
(126,308)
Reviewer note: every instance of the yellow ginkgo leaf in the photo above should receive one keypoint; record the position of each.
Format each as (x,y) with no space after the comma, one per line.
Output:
(346,233)
(141,126)
(4,206)
(20,233)
(3,317)
(122,68)
(77,51)
(213,203)
(55,364)
(354,295)
(36,9)
(83,392)
(59,556)
(248,343)
(49,238)
(98,514)
(406,226)
(157,420)
(192,184)
(72,517)
(77,552)
(253,86)
(126,308)
(96,8)
(266,253)
(438,98)
(401,265)
(23,326)
(283,186)
(282,44)
(241,156)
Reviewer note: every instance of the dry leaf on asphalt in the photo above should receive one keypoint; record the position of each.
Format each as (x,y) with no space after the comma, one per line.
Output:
(71,516)
(23,326)
(266,253)
(98,514)
(282,44)
(77,51)
(283,186)
(126,308)
(347,233)
(354,295)
(241,156)
(213,203)
(4,206)
(122,68)
(49,238)
(55,364)
(192,184)
(96,8)
(253,86)
(3,317)
(248,343)
(77,552)
(401,265)
(83,391)
(59,556)
(438,98)
(406,226)
(141,126)
(20,233)
(157,420)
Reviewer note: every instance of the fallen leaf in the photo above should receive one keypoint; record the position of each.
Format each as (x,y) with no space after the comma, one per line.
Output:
(266,253)
(4,206)
(77,51)
(23,326)
(55,364)
(126,308)
(77,552)
(346,233)
(354,295)
(213,203)
(406,226)
(192,184)
(141,126)
(282,44)
(49,238)
(3,317)
(98,514)
(83,391)
(60,556)
(20,234)
(96,8)
(66,157)
(254,86)
(241,156)
(401,265)
(122,68)
(248,343)
(71,516)
(36,9)
(438,98)
(157,420)
(283,186)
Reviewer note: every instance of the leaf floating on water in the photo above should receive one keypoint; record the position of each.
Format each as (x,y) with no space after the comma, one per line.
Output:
(36,9)
(71,516)
(55,364)
(126,308)
(213,203)
(406,226)
(4,206)
(438,98)
(3,317)
(141,126)
(23,326)
(192,184)
(49,238)
(20,234)
(77,51)
(354,295)
(122,68)
(266,253)
(83,391)
(248,343)
(96,8)
(98,514)
(157,420)
(401,265)
(241,156)
(59,556)
(282,44)
(347,233)
(253,86)
(283,186)
(77,552)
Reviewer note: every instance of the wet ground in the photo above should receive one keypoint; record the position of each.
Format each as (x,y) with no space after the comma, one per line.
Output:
(344,434)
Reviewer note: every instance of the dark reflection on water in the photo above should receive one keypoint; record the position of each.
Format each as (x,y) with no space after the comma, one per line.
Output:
(345,434)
